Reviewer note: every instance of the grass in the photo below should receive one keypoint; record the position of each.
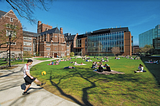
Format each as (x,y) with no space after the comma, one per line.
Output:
(85,87)
(43,58)
(4,63)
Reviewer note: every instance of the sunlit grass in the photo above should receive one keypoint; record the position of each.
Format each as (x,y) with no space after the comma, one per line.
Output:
(43,58)
(84,86)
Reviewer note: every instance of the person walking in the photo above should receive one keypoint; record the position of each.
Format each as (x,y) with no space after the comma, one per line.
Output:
(28,78)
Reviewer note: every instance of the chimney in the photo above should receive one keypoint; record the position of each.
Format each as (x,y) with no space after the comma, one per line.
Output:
(39,22)
(61,30)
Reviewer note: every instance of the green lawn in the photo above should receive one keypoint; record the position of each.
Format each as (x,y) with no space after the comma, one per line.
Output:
(43,58)
(13,62)
(85,87)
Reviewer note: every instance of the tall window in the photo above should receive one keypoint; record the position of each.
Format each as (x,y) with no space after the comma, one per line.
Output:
(11,19)
(47,48)
(27,43)
(26,48)
(27,38)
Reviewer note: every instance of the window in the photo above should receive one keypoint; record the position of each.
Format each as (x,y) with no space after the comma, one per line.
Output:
(47,48)
(27,43)
(26,48)
(13,43)
(48,44)
(11,19)
(12,33)
(55,36)
(55,48)
(27,38)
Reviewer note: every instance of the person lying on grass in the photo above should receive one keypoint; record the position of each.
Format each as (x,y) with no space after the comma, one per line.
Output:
(140,69)
(69,67)
(75,63)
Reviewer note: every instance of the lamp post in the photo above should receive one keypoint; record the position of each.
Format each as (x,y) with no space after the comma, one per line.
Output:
(10,50)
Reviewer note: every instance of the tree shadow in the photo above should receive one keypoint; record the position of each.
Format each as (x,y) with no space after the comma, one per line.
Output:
(11,72)
(92,78)
(153,68)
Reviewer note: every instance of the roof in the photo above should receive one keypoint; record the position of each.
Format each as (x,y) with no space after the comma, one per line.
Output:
(27,33)
(110,30)
(50,31)
(2,13)
(69,38)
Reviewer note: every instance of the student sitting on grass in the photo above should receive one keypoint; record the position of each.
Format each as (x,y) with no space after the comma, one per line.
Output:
(57,62)
(107,67)
(140,69)
(155,62)
(51,63)
(69,67)
(100,68)
(93,65)
(75,63)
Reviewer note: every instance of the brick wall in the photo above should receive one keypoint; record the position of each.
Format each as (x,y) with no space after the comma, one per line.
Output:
(4,20)
(127,44)
(42,27)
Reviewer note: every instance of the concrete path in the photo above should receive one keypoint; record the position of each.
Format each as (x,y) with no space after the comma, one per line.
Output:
(12,86)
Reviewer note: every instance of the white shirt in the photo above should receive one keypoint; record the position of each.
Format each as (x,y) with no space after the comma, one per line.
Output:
(26,69)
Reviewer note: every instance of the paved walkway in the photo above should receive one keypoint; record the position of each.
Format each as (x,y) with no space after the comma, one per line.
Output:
(12,86)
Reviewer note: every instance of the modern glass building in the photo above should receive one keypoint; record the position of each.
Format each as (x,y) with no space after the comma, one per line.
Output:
(100,42)
(147,38)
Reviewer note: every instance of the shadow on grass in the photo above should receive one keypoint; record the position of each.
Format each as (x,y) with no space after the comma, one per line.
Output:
(153,68)
(61,91)
(92,78)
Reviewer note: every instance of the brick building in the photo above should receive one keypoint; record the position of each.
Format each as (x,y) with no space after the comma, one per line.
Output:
(50,42)
(10,26)
(29,42)
(135,49)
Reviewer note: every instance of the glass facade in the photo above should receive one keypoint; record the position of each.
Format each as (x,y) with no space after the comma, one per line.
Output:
(101,44)
(78,43)
(156,43)
(147,37)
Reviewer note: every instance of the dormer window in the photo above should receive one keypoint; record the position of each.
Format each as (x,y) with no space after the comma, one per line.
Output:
(11,19)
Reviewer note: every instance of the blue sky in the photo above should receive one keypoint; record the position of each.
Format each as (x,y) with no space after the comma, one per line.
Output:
(80,16)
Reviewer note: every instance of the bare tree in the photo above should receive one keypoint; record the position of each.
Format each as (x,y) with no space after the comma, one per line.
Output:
(26,8)
(115,50)
(146,49)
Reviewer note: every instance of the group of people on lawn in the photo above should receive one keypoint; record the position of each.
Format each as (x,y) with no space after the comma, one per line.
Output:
(96,65)
(101,67)
(151,61)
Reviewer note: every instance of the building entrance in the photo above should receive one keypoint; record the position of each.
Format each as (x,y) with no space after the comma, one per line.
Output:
(55,55)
